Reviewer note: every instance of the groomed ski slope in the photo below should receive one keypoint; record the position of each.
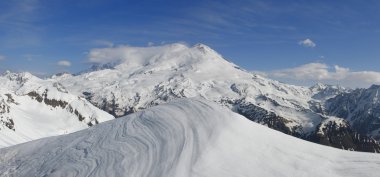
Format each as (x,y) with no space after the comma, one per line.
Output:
(188,137)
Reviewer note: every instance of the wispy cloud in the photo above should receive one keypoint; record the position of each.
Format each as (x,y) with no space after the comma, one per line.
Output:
(17,22)
(30,57)
(64,63)
(129,54)
(2,57)
(104,43)
(214,18)
(307,43)
(321,72)
(19,12)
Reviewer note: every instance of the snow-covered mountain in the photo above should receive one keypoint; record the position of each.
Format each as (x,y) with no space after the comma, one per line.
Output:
(136,78)
(184,138)
(32,108)
(360,107)
(324,92)
(129,79)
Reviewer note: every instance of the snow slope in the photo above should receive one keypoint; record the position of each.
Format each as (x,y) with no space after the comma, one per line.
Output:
(188,137)
(32,108)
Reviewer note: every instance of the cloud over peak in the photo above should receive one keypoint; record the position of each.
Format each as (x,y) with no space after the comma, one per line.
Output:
(132,55)
(307,43)
(321,72)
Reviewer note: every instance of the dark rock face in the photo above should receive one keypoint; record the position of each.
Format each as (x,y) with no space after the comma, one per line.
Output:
(51,102)
(10,98)
(330,133)
(361,108)
(113,108)
(5,119)
(109,105)
(341,135)
(58,103)
(264,117)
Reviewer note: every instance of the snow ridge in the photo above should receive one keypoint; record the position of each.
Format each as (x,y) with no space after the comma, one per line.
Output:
(184,138)
(32,108)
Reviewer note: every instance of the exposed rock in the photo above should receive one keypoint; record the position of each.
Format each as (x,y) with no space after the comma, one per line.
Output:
(361,108)
(340,134)
(51,102)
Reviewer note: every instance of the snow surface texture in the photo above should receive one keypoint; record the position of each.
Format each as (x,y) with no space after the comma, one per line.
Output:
(32,108)
(184,138)
(142,77)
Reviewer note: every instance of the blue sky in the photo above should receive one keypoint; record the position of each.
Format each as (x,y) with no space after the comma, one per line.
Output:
(259,35)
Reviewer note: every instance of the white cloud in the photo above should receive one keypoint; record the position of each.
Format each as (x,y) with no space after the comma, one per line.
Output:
(64,63)
(307,43)
(130,55)
(2,57)
(150,44)
(321,72)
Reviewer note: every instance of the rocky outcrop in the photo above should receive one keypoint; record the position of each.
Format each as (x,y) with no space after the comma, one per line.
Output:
(339,134)
(43,98)
(61,104)
(6,120)
(265,117)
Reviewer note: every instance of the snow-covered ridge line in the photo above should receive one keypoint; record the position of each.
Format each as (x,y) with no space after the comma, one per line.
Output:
(32,108)
(184,138)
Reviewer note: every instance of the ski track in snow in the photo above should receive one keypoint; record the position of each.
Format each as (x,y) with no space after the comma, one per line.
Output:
(188,137)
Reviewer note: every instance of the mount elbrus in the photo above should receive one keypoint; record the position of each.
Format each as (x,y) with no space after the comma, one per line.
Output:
(136,78)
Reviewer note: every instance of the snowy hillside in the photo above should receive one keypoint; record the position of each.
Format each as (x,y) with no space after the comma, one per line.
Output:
(129,79)
(31,108)
(183,138)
